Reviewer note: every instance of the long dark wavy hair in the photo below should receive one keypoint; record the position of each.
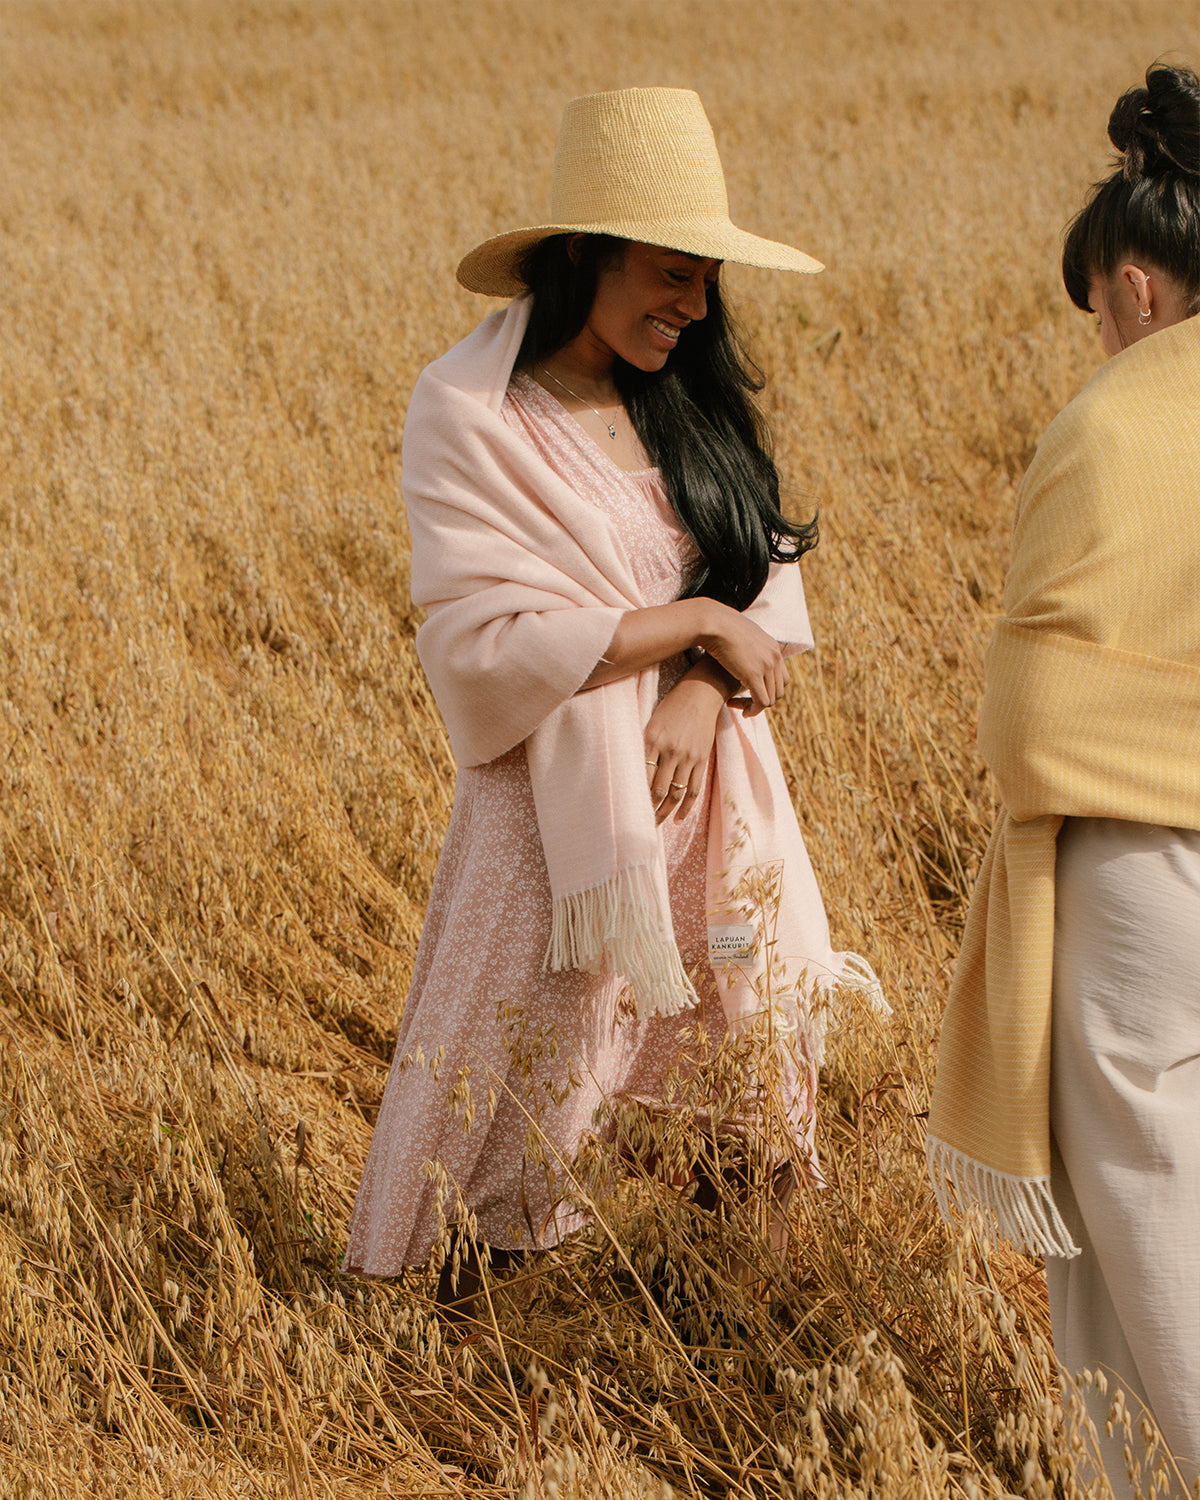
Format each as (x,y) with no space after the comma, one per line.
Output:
(696,417)
(1149,208)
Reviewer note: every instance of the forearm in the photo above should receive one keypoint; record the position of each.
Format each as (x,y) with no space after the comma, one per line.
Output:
(751,659)
(645,637)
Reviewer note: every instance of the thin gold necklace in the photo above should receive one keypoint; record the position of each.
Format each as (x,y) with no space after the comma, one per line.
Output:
(612,431)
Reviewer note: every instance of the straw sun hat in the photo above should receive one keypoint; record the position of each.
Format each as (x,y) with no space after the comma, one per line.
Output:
(640,164)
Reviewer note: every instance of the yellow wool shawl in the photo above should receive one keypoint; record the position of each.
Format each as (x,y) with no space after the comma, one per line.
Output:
(1091,710)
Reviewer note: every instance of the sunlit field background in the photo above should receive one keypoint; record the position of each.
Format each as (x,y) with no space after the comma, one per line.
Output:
(227,241)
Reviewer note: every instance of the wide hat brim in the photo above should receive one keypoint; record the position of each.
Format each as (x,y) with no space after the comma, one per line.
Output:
(639,164)
(493,268)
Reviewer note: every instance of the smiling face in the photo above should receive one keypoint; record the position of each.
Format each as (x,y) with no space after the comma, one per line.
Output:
(644,300)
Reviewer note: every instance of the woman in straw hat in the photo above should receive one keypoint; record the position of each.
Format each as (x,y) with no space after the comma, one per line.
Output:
(1068,1089)
(612,591)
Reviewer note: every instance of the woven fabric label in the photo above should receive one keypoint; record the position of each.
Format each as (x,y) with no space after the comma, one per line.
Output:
(732,944)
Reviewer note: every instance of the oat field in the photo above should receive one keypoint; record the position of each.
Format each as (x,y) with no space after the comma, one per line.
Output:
(227,237)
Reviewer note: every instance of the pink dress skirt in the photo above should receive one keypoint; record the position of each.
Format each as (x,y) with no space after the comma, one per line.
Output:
(500,1066)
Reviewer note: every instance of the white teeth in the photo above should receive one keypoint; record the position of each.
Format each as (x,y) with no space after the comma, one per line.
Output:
(665,329)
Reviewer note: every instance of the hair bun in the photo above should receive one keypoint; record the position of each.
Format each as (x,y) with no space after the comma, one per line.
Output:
(1157,128)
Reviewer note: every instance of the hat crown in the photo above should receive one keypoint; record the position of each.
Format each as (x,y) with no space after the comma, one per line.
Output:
(637,155)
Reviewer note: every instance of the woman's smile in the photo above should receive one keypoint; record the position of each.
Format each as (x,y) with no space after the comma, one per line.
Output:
(670,333)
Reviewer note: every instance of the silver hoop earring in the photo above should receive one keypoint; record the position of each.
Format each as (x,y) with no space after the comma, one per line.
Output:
(1145,316)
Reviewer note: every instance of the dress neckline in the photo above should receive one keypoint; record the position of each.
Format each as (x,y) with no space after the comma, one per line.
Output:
(552,407)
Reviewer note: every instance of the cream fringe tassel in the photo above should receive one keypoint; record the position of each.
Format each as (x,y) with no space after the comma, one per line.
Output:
(619,924)
(857,974)
(1022,1207)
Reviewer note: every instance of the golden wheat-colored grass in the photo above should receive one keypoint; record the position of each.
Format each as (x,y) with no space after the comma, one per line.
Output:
(228,231)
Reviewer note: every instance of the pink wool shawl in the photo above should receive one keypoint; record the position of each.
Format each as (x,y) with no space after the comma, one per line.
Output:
(524,581)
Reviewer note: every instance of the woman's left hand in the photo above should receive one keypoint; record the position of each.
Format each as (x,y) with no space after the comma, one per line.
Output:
(679,741)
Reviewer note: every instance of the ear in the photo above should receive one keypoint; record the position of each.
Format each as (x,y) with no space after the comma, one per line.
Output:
(575,248)
(1137,279)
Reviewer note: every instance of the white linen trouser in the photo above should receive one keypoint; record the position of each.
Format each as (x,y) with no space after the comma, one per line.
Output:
(1125,1117)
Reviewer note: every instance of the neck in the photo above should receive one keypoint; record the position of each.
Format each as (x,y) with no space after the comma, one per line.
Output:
(587,369)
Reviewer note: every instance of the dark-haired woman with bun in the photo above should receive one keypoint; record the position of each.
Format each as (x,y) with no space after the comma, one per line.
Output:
(1068,1088)
(612,590)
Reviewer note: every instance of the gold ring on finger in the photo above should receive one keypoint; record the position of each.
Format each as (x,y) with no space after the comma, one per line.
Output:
(681,785)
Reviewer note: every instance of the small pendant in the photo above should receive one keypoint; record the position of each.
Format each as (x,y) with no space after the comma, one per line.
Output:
(612,432)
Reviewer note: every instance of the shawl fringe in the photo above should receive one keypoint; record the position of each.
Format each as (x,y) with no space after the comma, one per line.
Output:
(619,923)
(1023,1208)
(857,974)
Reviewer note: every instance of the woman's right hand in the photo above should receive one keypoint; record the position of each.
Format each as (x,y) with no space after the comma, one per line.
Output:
(747,653)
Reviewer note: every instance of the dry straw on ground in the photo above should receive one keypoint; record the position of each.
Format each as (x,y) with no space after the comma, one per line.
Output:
(227,231)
